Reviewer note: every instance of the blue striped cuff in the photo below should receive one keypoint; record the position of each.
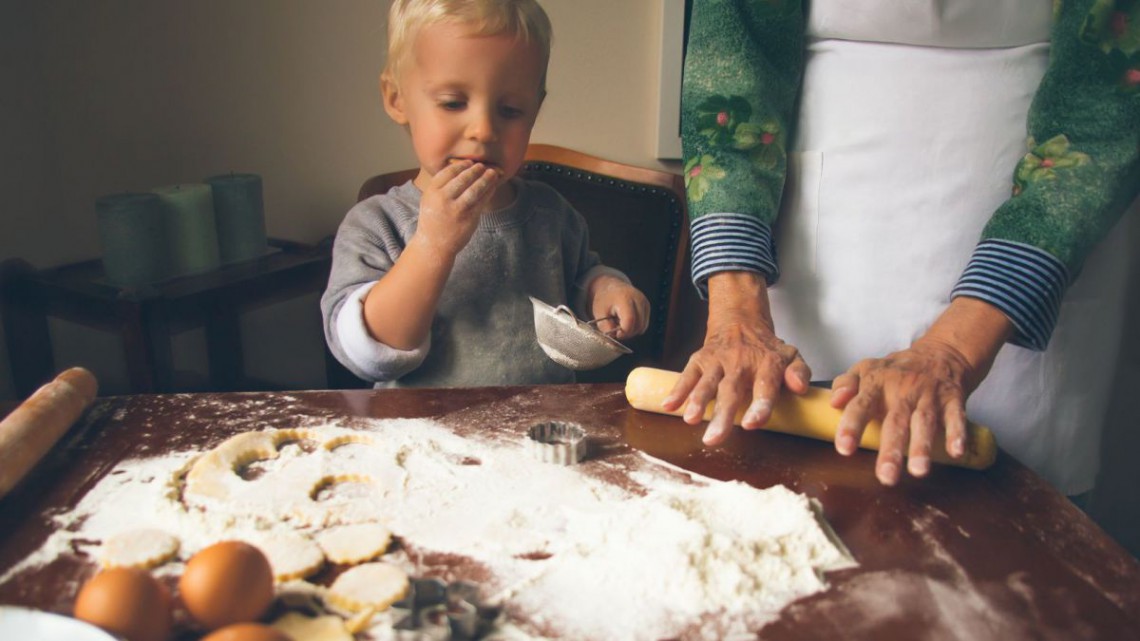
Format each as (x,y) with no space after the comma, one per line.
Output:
(1024,282)
(731,242)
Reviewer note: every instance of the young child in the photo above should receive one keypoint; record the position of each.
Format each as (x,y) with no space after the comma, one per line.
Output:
(430,282)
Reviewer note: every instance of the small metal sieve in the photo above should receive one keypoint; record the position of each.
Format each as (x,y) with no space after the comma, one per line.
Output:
(570,342)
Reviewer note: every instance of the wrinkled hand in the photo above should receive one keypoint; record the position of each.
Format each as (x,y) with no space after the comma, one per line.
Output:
(742,358)
(452,203)
(916,393)
(739,360)
(920,392)
(612,297)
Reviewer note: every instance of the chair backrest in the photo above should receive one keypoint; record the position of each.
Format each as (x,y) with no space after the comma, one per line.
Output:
(381,183)
(637,223)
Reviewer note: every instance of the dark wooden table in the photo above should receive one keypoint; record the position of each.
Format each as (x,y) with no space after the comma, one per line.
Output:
(962,555)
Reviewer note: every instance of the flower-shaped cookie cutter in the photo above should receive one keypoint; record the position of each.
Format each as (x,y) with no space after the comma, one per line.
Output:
(557,442)
(436,611)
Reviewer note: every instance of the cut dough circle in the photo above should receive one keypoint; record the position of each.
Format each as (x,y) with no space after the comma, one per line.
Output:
(357,543)
(372,585)
(143,548)
(291,555)
(325,628)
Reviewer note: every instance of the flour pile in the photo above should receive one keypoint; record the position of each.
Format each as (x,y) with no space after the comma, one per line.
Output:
(567,553)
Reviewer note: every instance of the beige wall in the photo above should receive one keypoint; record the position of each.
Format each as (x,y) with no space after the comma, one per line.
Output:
(118,95)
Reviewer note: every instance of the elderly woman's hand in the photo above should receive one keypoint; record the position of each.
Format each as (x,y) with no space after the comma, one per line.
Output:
(741,358)
(919,393)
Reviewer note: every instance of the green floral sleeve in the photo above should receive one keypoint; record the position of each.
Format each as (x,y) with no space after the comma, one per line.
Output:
(1082,164)
(1079,173)
(742,76)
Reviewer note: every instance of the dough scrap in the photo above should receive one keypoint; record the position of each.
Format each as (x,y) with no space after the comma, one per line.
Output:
(290,487)
(214,474)
(357,543)
(336,479)
(347,439)
(289,435)
(144,549)
(377,585)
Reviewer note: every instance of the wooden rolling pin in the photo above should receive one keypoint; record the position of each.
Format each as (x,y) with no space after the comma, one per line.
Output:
(809,415)
(35,425)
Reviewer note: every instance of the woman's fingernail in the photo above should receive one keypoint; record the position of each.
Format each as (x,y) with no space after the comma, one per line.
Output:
(959,446)
(692,412)
(919,465)
(714,434)
(845,444)
(758,411)
(888,473)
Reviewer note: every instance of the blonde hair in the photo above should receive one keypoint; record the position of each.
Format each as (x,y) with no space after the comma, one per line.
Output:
(523,19)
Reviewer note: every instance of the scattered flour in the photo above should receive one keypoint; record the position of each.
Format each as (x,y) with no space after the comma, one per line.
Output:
(570,555)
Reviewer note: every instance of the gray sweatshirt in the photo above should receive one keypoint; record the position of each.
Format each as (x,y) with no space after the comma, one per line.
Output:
(483,330)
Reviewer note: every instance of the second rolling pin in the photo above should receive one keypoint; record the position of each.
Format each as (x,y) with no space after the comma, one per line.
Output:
(809,415)
(35,425)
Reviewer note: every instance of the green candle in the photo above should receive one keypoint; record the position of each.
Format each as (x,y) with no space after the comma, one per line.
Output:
(132,231)
(193,237)
(239,215)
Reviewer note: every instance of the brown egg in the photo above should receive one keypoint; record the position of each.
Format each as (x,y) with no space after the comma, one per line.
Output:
(248,632)
(227,582)
(126,602)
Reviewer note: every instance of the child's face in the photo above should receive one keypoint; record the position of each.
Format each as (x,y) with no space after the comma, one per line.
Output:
(468,97)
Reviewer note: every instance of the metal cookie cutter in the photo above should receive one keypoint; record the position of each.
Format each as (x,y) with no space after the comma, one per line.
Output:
(435,611)
(557,442)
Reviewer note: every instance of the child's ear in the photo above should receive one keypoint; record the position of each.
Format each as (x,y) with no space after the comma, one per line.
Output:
(393,99)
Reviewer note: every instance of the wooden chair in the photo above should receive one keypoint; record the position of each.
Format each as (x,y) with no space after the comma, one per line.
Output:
(638,224)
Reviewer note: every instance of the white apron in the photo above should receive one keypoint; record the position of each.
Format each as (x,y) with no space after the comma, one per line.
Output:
(912,119)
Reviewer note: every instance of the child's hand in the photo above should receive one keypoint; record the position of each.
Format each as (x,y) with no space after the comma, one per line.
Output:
(452,202)
(614,298)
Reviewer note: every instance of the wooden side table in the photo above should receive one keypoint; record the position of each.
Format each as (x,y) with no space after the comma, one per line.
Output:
(147,317)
